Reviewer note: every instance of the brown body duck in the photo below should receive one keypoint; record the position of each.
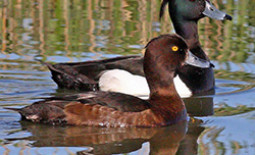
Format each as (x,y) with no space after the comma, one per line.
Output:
(125,74)
(164,56)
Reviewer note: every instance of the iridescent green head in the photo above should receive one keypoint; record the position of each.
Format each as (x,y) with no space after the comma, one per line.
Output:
(193,10)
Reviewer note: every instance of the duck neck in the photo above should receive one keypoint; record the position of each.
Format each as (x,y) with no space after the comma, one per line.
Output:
(164,98)
(189,31)
(163,89)
(168,106)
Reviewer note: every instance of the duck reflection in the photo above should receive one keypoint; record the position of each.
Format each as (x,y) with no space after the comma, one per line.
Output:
(178,138)
(199,106)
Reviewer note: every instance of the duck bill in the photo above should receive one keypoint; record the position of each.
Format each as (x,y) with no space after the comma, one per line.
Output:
(197,62)
(212,12)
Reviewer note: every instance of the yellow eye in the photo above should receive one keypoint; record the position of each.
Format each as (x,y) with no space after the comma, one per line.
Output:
(175,48)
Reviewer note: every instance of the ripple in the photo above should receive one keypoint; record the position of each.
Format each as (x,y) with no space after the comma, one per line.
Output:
(228,87)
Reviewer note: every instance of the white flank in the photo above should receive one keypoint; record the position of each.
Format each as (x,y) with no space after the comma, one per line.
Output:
(181,87)
(118,80)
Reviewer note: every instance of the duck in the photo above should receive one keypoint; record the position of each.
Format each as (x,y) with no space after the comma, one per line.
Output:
(125,74)
(164,56)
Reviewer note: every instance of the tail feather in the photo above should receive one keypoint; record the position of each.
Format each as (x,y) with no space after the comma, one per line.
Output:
(51,67)
(20,111)
(50,112)
(14,109)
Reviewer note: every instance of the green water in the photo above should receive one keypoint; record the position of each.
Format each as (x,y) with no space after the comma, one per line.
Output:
(79,30)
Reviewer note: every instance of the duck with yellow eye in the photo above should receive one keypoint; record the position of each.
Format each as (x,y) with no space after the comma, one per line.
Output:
(164,106)
(175,48)
(192,59)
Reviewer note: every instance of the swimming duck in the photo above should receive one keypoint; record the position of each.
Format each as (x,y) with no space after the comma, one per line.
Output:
(125,74)
(164,56)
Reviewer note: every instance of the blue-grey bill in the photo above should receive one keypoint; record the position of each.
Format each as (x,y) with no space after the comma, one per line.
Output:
(197,62)
(212,12)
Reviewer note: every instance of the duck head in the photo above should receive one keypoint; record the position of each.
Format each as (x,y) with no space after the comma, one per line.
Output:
(193,10)
(185,15)
(163,57)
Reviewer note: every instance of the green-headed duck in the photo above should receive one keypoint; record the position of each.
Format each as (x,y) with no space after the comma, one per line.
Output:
(125,74)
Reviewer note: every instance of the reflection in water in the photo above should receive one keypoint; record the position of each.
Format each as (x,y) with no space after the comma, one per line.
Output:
(200,106)
(164,140)
(60,31)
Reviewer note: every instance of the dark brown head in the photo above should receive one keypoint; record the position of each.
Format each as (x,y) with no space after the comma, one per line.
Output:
(168,48)
(163,56)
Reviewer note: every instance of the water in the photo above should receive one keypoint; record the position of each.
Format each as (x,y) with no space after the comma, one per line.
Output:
(72,31)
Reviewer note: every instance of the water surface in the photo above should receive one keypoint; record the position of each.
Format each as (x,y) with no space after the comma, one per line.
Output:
(71,31)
